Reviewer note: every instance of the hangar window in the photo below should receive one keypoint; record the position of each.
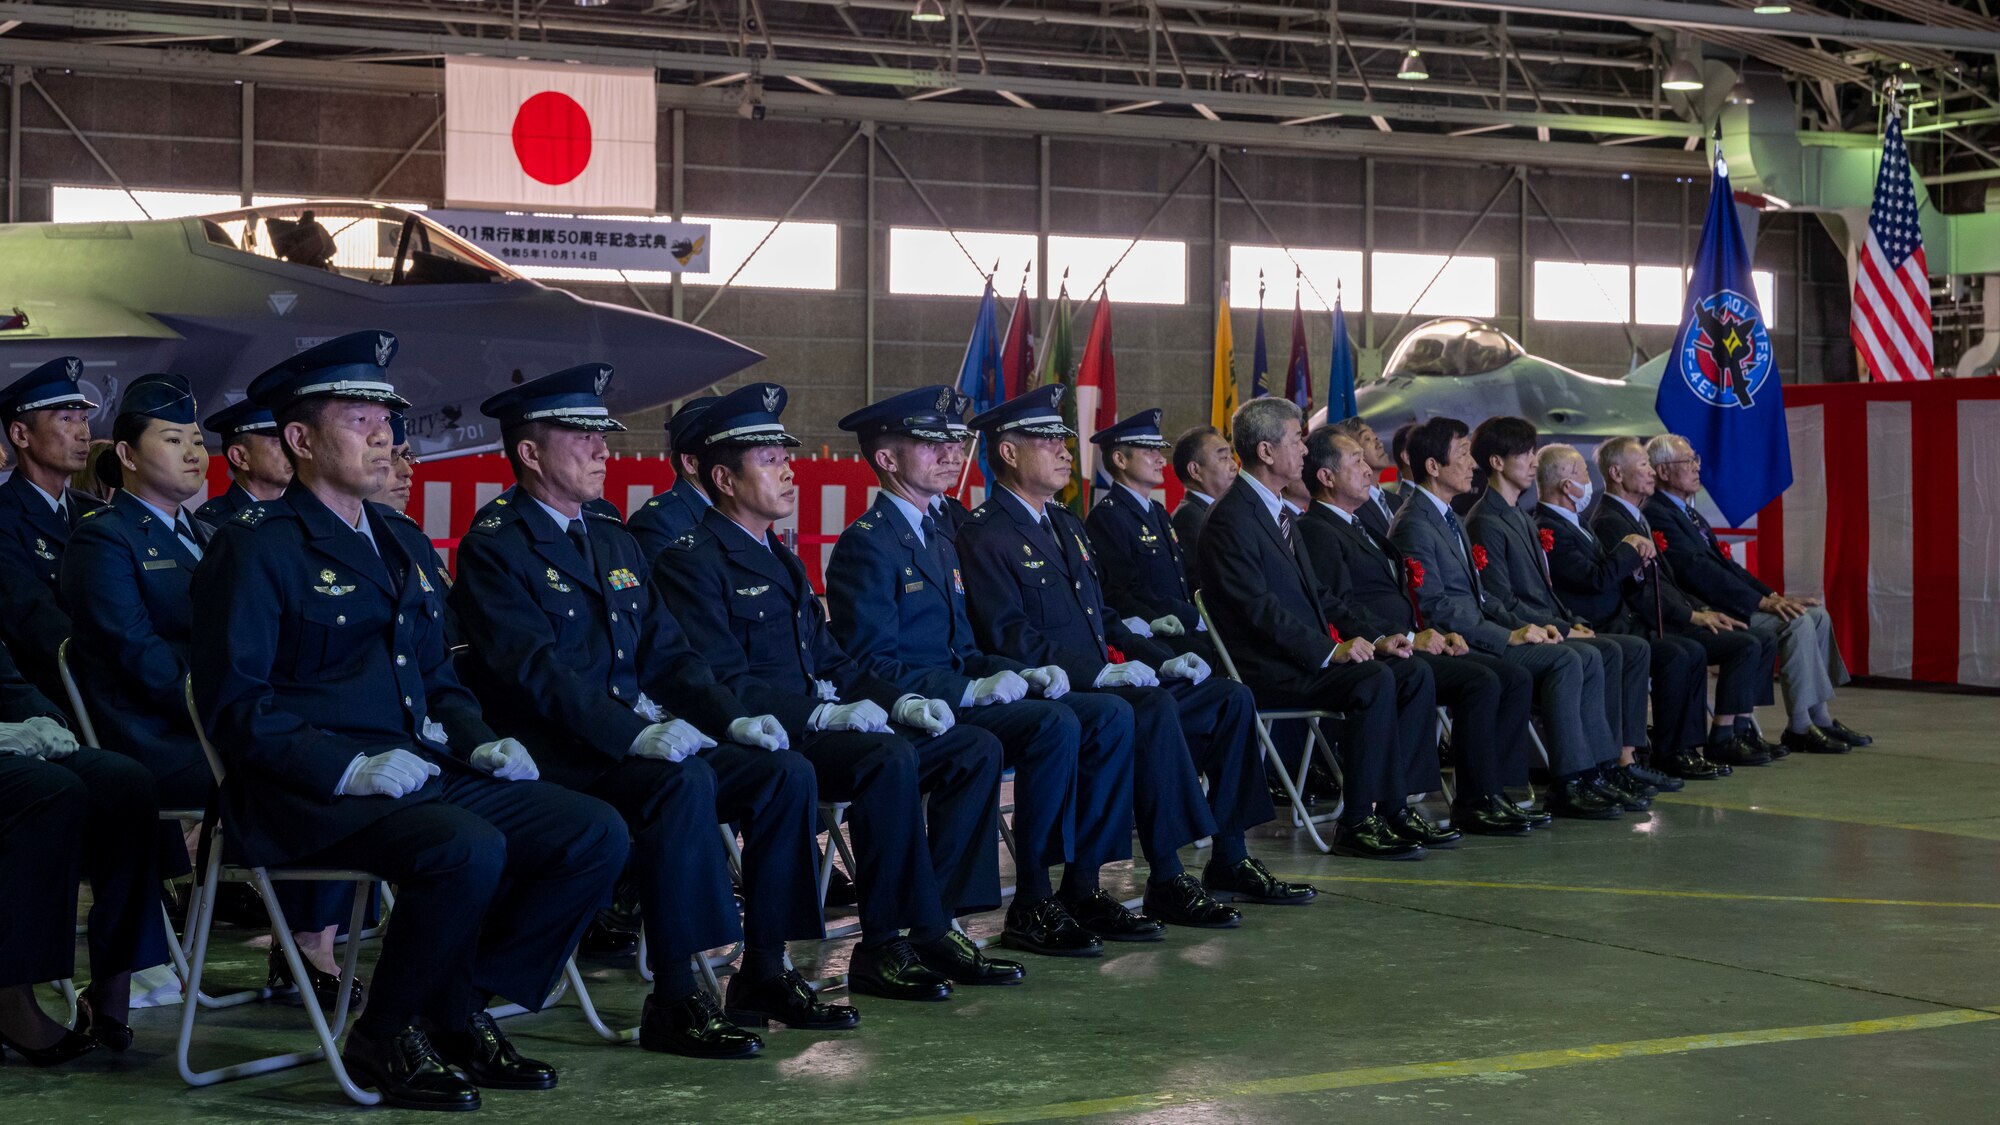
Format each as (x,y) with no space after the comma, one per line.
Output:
(1154,272)
(1434,283)
(1324,270)
(798,256)
(1661,289)
(928,262)
(73,203)
(1583,292)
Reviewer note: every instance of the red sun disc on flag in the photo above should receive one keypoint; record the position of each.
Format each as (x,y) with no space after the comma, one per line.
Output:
(552,137)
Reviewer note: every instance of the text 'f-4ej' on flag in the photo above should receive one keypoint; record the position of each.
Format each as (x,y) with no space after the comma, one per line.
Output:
(562,138)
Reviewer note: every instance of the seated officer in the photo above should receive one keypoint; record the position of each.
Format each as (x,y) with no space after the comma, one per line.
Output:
(69,813)
(1809,662)
(1034,595)
(1517,576)
(403,462)
(127,572)
(748,607)
(1363,576)
(1444,579)
(1138,551)
(323,676)
(1590,575)
(896,596)
(675,512)
(570,647)
(47,420)
(1206,467)
(257,466)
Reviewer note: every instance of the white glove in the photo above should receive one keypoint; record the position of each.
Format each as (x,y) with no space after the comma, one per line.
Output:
(1187,666)
(1168,626)
(396,773)
(1138,626)
(52,739)
(506,759)
(650,711)
(763,731)
(669,741)
(16,740)
(825,692)
(1132,673)
(932,716)
(434,731)
(1049,679)
(1000,687)
(866,715)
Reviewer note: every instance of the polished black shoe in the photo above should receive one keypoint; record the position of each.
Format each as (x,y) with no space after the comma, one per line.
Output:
(1489,816)
(1248,880)
(1532,817)
(1577,799)
(960,961)
(1411,825)
(1748,734)
(605,938)
(1629,780)
(1685,766)
(1657,781)
(109,1033)
(407,1071)
(1813,740)
(1050,928)
(786,999)
(695,1027)
(1180,901)
(1374,839)
(893,971)
(1112,920)
(71,1046)
(325,985)
(1736,752)
(488,1059)
(1614,788)
(1847,734)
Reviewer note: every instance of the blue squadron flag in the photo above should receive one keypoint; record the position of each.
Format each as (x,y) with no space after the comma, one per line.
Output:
(979,375)
(1340,370)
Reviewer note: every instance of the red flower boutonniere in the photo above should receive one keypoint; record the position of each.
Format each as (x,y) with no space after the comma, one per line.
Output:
(1548,541)
(1116,656)
(1660,540)
(1726,552)
(1416,570)
(1332,633)
(1478,557)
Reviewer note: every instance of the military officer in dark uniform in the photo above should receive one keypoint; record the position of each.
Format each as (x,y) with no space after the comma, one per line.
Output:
(1138,551)
(47,420)
(675,512)
(257,466)
(1206,467)
(323,676)
(1033,594)
(896,595)
(571,647)
(747,605)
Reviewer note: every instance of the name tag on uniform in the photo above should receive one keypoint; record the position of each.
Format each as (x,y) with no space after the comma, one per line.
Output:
(159,564)
(912,587)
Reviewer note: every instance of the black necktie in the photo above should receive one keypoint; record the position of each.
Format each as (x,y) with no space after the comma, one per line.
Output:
(580,538)
(186,531)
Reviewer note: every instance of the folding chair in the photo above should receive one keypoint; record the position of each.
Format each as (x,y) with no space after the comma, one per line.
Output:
(1316,739)
(211,872)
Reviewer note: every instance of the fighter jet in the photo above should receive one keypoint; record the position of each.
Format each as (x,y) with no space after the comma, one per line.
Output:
(1471,370)
(220,298)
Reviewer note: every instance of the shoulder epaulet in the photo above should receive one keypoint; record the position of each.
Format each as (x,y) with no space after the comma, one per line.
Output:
(980,514)
(653,503)
(92,514)
(251,516)
(685,542)
(604,515)
(405,517)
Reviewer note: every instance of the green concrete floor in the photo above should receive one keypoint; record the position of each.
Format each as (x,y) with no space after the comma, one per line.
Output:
(1813,941)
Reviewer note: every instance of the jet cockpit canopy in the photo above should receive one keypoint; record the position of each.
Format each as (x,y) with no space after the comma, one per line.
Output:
(363,241)
(1453,347)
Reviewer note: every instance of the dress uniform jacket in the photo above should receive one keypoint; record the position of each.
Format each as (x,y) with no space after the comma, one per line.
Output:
(223,506)
(33,536)
(666,517)
(1139,555)
(127,573)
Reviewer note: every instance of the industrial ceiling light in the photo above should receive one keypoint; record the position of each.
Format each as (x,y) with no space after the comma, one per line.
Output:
(1740,94)
(928,11)
(592,3)
(1413,68)
(1682,74)
(1777,9)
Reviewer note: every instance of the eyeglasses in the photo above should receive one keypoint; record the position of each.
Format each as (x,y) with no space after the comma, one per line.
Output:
(408,457)
(1695,461)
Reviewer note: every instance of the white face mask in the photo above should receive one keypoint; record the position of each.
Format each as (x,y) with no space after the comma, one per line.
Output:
(1583,498)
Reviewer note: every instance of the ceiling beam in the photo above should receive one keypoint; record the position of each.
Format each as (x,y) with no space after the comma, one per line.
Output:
(1673,13)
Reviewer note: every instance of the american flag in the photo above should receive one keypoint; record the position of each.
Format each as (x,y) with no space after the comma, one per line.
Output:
(1891,323)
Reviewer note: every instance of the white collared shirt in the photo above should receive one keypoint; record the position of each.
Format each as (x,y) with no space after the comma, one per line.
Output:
(1039,516)
(1337,510)
(55,502)
(1575,519)
(1204,497)
(562,521)
(1271,499)
(171,521)
(1145,501)
(911,513)
(1636,513)
(1427,494)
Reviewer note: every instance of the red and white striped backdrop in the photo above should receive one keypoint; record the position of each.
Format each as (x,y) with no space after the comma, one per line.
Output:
(1893,518)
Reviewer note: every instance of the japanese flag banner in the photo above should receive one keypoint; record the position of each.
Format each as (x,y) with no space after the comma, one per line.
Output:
(561,138)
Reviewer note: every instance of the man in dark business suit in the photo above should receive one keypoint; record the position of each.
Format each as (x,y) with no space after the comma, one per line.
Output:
(1268,604)
(1517,576)
(1809,662)
(47,420)
(1451,595)
(675,512)
(1206,466)
(1732,740)
(1363,576)
(1590,575)
(1381,504)
(257,467)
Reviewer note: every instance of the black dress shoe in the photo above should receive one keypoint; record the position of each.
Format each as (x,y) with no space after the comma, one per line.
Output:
(786,999)
(605,938)
(1489,816)
(1248,880)
(407,1071)
(1533,818)
(1659,782)
(1049,928)
(1813,740)
(488,1059)
(1756,741)
(109,1033)
(960,961)
(695,1027)
(1613,787)
(1685,766)
(325,985)
(1411,825)
(1577,799)
(1373,838)
(1736,752)
(1111,920)
(71,1046)
(1630,780)
(1180,901)
(1847,734)
(893,971)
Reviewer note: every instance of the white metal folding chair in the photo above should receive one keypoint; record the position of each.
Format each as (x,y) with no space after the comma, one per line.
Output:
(1292,779)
